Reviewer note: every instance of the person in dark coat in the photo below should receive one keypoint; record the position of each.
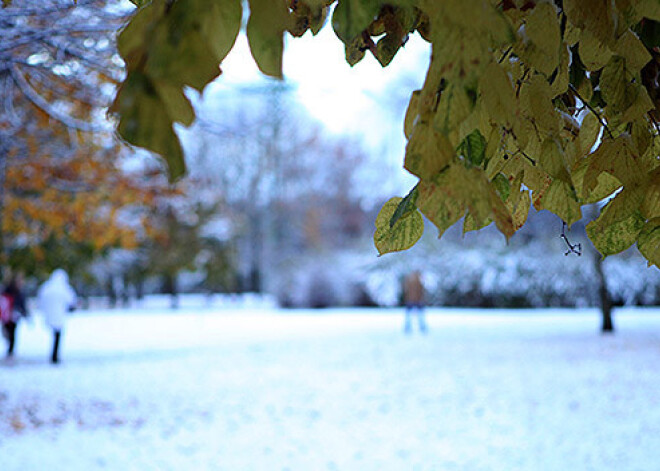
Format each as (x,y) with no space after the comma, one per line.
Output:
(13,302)
(413,292)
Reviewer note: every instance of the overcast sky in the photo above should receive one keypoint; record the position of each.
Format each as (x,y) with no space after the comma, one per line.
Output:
(366,101)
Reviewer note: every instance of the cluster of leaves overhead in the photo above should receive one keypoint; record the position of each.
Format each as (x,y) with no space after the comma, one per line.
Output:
(554,103)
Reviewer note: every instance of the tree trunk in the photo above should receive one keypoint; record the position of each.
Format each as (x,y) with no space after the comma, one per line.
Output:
(170,287)
(604,297)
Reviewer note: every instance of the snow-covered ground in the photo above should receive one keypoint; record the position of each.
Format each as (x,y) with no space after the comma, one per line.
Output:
(223,389)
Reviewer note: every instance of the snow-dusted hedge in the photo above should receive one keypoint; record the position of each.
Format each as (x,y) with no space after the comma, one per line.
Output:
(489,273)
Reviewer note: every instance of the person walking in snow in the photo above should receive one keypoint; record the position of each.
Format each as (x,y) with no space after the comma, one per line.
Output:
(12,308)
(413,292)
(56,298)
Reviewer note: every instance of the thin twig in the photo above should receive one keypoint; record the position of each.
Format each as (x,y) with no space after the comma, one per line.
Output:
(506,53)
(600,119)
(572,248)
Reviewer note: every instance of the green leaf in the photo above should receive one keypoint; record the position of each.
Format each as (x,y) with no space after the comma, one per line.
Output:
(454,106)
(176,104)
(616,157)
(220,25)
(615,83)
(133,42)
(473,148)
(269,19)
(559,198)
(406,206)
(610,239)
(651,203)
(649,9)
(188,40)
(503,186)
(355,50)
(403,234)
(520,210)
(146,122)
(648,242)
(351,17)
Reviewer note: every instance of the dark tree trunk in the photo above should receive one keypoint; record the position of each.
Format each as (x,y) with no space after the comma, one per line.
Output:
(112,294)
(604,297)
(139,288)
(169,287)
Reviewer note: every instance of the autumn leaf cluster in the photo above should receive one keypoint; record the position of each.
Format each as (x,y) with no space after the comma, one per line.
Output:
(550,103)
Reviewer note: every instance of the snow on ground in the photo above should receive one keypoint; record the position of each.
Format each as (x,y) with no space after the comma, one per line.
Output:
(212,389)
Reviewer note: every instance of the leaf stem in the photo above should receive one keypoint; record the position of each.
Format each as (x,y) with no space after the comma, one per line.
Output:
(591,108)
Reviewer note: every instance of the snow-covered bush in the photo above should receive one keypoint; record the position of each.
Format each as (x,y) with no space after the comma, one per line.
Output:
(482,270)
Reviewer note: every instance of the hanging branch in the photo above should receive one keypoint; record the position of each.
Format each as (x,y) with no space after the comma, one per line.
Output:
(572,248)
(44,105)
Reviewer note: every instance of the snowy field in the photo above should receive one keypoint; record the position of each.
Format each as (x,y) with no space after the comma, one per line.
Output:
(225,389)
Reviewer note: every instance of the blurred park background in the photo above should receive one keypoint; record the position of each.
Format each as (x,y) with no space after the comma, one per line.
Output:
(284,182)
(240,318)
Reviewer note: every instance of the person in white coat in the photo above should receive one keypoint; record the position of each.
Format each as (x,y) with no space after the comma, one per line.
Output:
(56,299)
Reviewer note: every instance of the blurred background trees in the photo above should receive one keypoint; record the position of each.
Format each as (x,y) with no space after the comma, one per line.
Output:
(273,203)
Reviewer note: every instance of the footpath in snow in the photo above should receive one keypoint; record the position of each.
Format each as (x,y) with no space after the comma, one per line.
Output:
(222,389)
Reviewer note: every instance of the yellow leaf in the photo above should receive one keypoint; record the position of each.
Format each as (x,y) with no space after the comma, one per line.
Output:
(453,108)
(542,39)
(593,52)
(641,105)
(626,203)
(405,232)
(648,242)
(589,132)
(560,199)
(605,185)
(552,160)
(439,202)
(427,152)
(520,211)
(616,86)
(536,99)
(630,47)
(616,157)
(560,84)
(595,16)
(497,94)
(411,114)
(610,239)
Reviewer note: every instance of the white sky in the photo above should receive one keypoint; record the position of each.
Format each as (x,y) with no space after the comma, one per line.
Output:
(366,101)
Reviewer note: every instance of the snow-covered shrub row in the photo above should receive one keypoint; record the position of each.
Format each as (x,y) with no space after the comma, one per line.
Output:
(484,271)
(325,279)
